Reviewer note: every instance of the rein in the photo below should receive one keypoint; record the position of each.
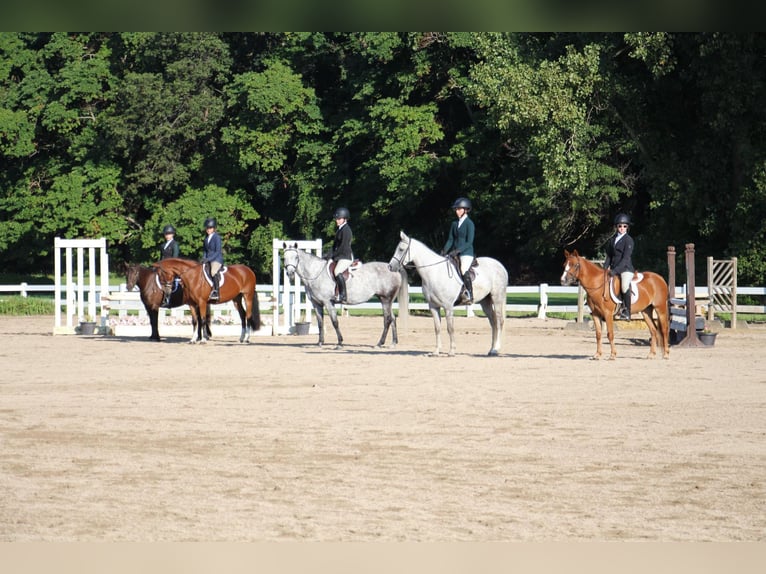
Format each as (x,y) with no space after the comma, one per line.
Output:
(295,267)
(181,275)
(411,264)
(576,275)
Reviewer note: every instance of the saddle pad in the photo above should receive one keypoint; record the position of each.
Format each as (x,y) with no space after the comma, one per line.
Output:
(221,272)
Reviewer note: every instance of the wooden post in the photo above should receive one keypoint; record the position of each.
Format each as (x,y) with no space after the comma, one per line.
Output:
(691,339)
(671,271)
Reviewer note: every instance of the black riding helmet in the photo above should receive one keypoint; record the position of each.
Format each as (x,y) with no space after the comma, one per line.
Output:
(622,218)
(341,212)
(463,202)
(210,222)
(168,229)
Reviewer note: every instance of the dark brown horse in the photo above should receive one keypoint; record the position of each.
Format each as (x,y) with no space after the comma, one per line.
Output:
(652,297)
(152,291)
(237,285)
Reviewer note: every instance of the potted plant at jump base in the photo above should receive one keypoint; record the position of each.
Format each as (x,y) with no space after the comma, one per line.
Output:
(87,326)
(707,336)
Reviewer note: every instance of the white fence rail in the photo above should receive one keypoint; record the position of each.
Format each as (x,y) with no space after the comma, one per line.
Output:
(542,307)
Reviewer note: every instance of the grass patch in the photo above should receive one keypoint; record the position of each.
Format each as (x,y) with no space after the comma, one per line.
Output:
(18,305)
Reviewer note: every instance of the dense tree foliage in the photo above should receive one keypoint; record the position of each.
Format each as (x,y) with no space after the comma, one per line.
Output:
(550,135)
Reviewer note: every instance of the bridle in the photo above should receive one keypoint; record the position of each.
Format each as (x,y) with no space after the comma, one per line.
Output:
(411,264)
(405,254)
(573,276)
(295,267)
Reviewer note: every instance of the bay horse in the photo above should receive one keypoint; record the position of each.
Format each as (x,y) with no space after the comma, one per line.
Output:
(442,284)
(365,281)
(652,297)
(152,293)
(237,285)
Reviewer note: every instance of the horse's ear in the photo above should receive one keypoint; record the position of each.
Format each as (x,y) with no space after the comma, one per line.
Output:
(284,245)
(566,254)
(295,245)
(575,253)
(403,236)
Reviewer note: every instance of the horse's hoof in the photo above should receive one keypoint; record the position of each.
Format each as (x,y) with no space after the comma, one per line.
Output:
(493,353)
(612,357)
(595,358)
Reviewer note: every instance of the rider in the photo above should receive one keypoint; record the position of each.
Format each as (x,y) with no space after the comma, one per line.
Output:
(341,250)
(169,249)
(460,242)
(212,253)
(619,251)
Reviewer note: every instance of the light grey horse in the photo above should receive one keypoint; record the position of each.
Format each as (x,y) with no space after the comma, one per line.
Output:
(373,278)
(442,284)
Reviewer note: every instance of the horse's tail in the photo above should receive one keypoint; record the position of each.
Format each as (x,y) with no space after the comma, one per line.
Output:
(404,299)
(255,311)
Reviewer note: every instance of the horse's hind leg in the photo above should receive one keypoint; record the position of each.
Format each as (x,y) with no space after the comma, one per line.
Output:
(647,315)
(336,326)
(388,321)
(496,320)
(244,336)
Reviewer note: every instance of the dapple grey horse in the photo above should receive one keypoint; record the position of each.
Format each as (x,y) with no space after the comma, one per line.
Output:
(373,278)
(442,284)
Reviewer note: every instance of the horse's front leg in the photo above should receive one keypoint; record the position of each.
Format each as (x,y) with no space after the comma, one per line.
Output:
(319,312)
(336,326)
(195,318)
(450,315)
(610,335)
(197,322)
(436,314)
(154,322)
(597,325)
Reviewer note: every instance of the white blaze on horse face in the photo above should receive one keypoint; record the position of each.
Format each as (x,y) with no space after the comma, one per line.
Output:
(564,274)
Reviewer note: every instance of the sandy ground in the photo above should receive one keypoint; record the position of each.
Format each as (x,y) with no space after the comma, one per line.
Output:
(122,439)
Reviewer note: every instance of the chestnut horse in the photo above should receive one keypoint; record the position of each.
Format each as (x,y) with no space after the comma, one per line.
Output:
(652,296)
(152,292)
(237,285)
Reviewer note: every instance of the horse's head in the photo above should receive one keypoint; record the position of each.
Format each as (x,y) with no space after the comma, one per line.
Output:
(403,253)
(132,272)
(290,259)
(166,278)
(571,272)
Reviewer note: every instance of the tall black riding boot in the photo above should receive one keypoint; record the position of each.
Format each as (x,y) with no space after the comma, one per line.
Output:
(214,293)
(468,294)
(341,281)
(625,306)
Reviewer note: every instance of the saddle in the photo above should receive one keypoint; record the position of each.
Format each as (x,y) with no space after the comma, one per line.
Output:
(221,272)
(355,264)
(455,260)
(613,287)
